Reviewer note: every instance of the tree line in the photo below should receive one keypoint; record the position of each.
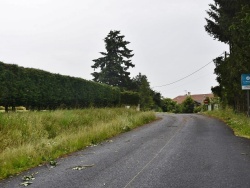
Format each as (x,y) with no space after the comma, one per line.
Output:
(112,68)
(229,22)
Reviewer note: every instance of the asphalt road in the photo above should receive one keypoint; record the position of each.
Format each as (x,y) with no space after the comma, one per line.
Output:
(174,152)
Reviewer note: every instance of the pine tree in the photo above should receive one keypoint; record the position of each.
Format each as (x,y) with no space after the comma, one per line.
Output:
(228,22)
(115,62)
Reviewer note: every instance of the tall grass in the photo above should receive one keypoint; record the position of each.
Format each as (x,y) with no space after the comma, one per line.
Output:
(31,138)
(240,123)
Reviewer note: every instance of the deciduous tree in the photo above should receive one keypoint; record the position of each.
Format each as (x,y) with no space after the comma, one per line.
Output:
(188,105)
(142,86)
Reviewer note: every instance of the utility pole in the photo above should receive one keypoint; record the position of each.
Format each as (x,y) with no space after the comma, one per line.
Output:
(248,103)
(245,84)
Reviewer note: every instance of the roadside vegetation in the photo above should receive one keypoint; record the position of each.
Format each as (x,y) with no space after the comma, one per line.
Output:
(32,138)
(229,22)
(239,122)
(187,106)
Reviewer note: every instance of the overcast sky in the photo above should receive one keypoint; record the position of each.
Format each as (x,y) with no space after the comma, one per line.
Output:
(64,36)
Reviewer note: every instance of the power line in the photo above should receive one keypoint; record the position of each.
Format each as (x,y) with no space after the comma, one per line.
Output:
(174,88)
(187,75)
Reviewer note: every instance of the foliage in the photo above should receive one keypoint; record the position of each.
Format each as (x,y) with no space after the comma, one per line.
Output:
(178,108)
(168,105)
(198,109)
(37,89)
(31,138)
(229,22)
(220,18)
(215,100)
(237,121)
(130,98)
(142,86)
(114,67)
(157,99)
(115,62)
(188,105)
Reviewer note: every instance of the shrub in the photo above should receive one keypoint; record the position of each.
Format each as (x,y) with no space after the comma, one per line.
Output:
(197,109)
(130,98)
(188,105)
(37,89)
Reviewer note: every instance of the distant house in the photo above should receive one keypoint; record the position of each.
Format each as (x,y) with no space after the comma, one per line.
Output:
(199,98)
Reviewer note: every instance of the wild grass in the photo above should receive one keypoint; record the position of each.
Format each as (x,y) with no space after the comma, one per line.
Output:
(31,138)
(239,123)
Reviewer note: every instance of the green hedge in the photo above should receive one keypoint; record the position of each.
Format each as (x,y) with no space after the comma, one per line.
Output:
(37,89)
(130,98)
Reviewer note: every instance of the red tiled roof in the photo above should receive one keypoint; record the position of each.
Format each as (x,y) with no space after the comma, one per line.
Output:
(198,98)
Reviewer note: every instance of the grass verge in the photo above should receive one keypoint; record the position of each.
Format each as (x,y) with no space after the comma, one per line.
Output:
(31,138)
(239,123)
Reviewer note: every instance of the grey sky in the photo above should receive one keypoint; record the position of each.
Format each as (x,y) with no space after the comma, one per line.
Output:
(64,36)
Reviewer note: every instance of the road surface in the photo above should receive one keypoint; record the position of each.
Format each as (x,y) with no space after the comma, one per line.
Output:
(183,150)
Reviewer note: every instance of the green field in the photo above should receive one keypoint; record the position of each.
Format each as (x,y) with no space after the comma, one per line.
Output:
(32,138)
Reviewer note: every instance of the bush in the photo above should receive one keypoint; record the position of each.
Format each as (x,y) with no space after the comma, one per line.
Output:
(197,109)
(188,105)
(130,98)
(37,89)
(239,122)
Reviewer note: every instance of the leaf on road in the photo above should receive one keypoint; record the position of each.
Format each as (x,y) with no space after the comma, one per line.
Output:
(82,167)
(53,164)
(26,183)
(28,178)
(244,154)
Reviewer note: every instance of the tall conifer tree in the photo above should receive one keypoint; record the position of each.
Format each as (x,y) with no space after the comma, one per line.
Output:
(115,62)
(228,22)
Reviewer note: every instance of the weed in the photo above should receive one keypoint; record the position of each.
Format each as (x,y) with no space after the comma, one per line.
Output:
(240,123)
(32,138)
